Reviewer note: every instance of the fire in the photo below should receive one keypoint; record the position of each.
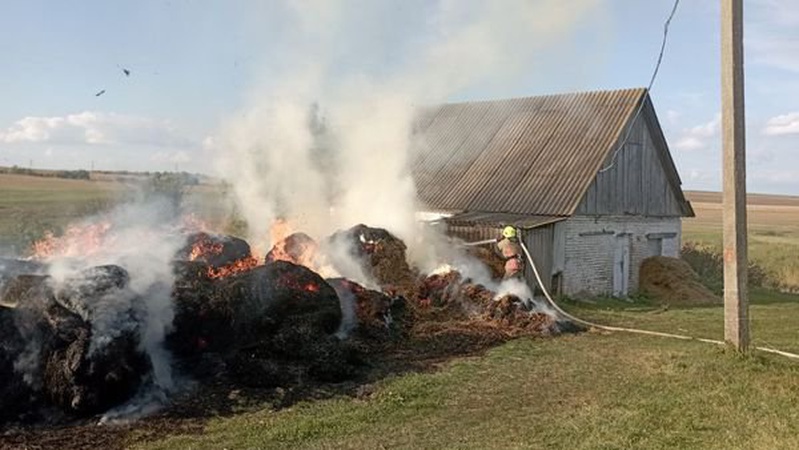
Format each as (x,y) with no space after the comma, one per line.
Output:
(203,247)
(239,266)
(77,240)
(294,247)
(280,230)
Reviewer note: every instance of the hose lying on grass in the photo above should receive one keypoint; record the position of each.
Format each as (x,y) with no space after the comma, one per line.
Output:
(632,330)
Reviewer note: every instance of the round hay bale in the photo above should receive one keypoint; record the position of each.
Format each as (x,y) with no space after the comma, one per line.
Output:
(672,281)
(214,250)
(297,248)
(382,255)
(242,309)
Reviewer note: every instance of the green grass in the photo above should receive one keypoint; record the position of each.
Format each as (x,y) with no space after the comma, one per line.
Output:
(774,318)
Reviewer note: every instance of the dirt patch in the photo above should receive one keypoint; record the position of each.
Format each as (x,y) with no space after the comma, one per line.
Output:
(672,281)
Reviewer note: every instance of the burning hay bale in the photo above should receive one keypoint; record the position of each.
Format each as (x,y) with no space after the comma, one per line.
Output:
(297,248)
(214,250)
(382,255)
(672,281)
(74,363)
(280,313)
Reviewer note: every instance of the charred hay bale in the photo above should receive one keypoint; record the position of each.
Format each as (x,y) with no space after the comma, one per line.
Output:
(372,309)
(202,316)
(283,292)
(246,308)
(81,378)
(382,255)
(81,292)
(69,362)
(214,250)
(672,281)
(11,268)
(31,291)
(323,358)
(511,312)
(17,399)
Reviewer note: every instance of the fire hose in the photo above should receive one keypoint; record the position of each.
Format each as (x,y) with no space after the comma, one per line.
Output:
(589,324)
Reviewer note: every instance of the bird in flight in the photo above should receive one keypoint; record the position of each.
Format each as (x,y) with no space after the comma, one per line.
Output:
(100,93)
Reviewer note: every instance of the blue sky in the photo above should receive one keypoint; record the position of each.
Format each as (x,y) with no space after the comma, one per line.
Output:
(197,64)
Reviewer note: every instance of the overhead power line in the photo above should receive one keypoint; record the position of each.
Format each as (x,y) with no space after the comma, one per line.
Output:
(648,88)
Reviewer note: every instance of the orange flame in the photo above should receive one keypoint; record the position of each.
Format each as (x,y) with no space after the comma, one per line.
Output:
(280,230)
(203,247)
(242,265)
(77,240)
(293,247)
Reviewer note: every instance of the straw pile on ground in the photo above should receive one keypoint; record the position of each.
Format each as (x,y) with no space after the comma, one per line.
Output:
(672,281)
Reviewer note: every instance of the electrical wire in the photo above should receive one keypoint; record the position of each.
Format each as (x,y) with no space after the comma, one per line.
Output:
(587,323)
(648,88)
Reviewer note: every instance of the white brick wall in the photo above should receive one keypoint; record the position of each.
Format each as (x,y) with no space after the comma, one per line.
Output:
(589,248)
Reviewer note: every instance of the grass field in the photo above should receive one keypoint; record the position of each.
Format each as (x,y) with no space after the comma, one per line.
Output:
(773,232)
(31,205)
(589,391)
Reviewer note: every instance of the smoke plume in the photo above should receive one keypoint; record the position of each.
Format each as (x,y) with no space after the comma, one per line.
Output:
(142,238)
(327,146)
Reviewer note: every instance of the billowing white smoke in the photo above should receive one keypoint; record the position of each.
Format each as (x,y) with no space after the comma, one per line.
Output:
(347,161)
(143,239)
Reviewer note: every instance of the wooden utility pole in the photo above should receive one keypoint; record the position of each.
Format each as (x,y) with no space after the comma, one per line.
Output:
(736,302)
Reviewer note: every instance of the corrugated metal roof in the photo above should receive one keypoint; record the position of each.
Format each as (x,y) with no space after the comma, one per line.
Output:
(534,155)
(527,221)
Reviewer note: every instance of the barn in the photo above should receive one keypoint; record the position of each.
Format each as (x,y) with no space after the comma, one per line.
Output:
(587,178)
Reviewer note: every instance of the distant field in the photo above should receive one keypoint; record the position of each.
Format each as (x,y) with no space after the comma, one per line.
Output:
(30,205)
(773,223)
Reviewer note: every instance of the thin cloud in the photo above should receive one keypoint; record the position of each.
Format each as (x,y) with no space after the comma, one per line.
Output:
(782,125)
(699,137)
(94,128)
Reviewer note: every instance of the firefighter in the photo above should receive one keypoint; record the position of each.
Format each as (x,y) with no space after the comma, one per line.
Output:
(510,250)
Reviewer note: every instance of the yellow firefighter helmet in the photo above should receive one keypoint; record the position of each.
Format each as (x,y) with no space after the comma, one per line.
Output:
(509,232)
